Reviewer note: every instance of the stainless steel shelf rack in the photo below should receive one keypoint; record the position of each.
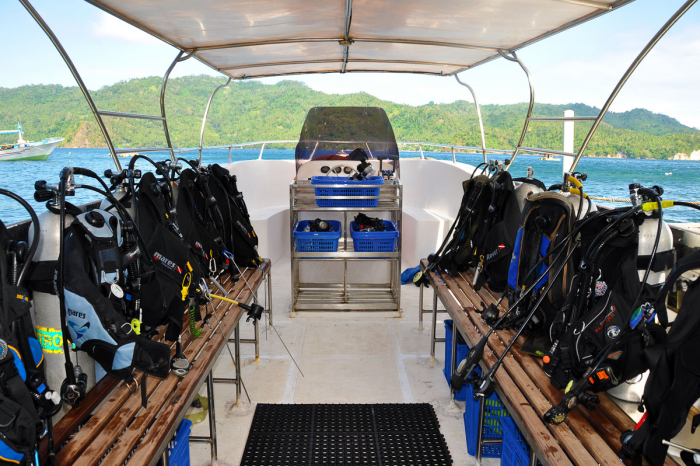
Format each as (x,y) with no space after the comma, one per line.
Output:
(346,296)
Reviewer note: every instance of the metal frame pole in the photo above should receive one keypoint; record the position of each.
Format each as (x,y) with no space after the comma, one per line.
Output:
(74,71)
(478,114)
(514,58)
(433,324)
(212,416)
(420,306)
(642,55)
(480,429)
(237,352)
(269,294)
(204,122)
(453,363)
(178,59)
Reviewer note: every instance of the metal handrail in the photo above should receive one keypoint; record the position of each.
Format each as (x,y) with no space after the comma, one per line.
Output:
(206,115)
(74,71)
(514,58)
(642,55)
(181,56)
(420,145)
(478,114)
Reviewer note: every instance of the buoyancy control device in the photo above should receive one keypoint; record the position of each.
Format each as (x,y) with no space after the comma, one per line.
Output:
(673,385)
(169,277)
(601,332)
(483,232)
(240,238)
(95,271)
(200,221)
(26,402)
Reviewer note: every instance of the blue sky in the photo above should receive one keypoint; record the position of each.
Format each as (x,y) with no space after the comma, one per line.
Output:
(580,65)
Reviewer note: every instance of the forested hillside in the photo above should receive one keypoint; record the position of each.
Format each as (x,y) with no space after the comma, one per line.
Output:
(251,111)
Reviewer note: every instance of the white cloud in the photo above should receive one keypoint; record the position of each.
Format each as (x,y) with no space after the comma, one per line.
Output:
(107,26)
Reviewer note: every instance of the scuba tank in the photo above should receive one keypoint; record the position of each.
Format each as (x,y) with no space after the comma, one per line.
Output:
(42,283)
(26,402)
(526,187)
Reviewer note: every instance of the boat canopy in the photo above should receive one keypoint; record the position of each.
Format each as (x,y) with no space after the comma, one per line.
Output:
(251,39)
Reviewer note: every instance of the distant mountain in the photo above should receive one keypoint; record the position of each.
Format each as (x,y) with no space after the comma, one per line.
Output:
(252,111)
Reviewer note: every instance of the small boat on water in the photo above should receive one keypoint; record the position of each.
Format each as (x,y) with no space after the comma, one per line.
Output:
(27,150)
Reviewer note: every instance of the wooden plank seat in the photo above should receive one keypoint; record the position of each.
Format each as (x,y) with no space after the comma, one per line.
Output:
(110,422)
(586,438)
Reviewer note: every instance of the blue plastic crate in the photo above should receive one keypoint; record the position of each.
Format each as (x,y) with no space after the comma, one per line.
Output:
(515,450)
(317,241)
(493,414)
(374,241)
(462,350)
(179,446)
(350,190)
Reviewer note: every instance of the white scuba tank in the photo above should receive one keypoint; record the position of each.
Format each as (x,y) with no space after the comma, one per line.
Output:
(587,207)
(525,190)
(46,311)
(647,237)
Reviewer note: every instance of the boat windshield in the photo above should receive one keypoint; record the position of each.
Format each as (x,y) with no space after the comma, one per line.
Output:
(333,133)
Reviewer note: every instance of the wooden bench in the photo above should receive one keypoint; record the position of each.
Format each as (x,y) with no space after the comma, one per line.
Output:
(111,426)
(586,438)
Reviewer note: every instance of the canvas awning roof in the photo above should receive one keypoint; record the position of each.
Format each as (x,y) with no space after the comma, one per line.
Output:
(257,38)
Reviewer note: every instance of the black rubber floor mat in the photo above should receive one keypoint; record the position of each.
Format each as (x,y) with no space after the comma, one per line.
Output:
(345,435)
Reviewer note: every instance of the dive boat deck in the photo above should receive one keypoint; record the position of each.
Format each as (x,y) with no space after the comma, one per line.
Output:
(346,357)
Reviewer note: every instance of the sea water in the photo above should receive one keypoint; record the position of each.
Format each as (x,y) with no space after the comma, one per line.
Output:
(606,177)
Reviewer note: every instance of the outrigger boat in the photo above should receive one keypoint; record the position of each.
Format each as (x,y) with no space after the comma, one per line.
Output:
(337,357)
(27,150)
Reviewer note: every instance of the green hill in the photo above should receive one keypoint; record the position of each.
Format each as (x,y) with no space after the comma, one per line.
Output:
(252,111)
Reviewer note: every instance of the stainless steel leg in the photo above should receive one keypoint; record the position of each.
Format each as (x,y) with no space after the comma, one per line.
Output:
(480,429)
(433,325)
(420,307)
(257,340)
(165,457)
(237,352)
(454,354)
(533,457)
(269,293)
(212,416)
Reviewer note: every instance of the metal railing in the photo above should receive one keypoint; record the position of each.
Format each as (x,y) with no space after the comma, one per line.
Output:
(455,149)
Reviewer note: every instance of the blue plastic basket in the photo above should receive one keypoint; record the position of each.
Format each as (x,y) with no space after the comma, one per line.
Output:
(462,350)
(493,414)
(350,190)
(374,241)
(516,451)
(317,241)
(179,446)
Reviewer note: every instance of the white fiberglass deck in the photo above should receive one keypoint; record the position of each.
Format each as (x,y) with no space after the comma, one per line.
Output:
(346,357)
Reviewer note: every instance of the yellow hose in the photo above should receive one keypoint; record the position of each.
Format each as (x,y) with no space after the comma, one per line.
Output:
(235,303)
(649,206)
(577,192)
(574,181)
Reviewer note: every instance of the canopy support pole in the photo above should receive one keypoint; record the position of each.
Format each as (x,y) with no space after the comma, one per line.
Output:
(74,71)
(642,55)
(478,114)
(513,57)
(347,41)
(204,122)
(178,59)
